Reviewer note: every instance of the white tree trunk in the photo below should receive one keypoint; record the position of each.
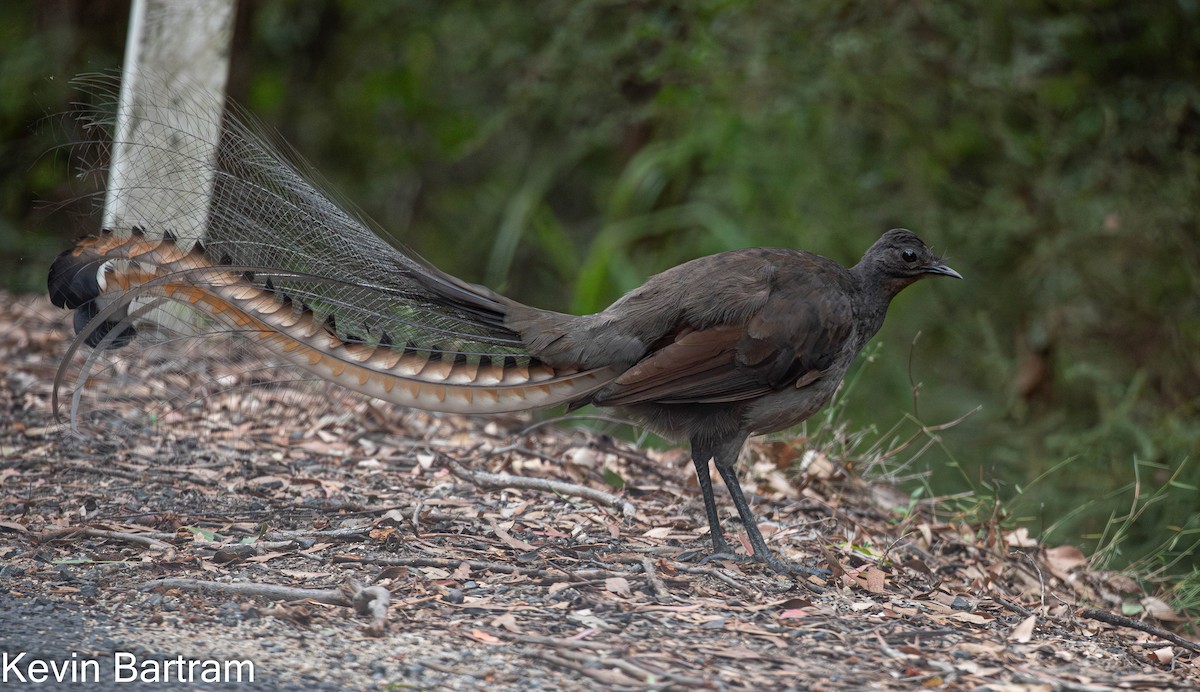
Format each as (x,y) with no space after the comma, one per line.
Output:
(176,65)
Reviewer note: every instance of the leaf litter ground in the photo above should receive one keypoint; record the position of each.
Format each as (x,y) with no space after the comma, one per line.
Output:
(336,542)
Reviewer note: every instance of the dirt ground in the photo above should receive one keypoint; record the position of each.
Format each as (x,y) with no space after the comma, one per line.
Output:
(337,543)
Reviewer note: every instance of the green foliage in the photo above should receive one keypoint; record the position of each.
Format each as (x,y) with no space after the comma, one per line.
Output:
(562,150)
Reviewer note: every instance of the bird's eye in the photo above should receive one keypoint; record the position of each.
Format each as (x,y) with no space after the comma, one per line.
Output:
(909,255)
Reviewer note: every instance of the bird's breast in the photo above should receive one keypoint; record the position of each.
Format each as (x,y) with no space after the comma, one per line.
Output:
(793,405)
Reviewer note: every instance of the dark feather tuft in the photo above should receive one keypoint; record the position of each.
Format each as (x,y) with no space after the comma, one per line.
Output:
(73,280)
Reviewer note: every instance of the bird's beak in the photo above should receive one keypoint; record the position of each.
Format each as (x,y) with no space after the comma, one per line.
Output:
(943,270)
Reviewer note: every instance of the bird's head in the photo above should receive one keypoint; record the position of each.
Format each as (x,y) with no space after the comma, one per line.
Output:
(899,258)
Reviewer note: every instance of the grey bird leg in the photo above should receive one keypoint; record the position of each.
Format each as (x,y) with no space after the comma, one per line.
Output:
(700,461)
(725,454)
(761,552)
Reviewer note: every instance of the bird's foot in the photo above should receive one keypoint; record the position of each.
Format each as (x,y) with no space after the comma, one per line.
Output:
(787,569)
(726,554)
(793,570)
(720,551)
(723,551)
(692,556)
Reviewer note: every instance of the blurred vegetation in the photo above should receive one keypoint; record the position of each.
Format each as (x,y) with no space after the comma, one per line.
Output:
(562,150)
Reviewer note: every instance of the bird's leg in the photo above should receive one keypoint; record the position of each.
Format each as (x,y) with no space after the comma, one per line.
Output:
(700,461)
(725,454)
(761,552)
(703,449)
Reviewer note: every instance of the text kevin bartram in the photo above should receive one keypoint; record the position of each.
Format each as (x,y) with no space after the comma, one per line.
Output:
(20,666)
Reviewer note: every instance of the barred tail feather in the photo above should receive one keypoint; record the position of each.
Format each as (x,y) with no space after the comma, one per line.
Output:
(135,277)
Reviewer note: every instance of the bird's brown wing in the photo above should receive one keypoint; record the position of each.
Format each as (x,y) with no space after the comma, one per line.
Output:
(797,336)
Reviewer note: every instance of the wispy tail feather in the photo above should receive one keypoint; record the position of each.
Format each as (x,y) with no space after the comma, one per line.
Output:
(422,373)
(276,260)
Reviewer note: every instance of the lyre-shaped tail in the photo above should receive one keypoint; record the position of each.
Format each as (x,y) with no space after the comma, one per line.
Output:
(256,249)
(121,273)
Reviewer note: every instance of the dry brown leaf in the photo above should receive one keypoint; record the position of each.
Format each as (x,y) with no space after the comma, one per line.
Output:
(581,456)
(875,580)
(510,540)
(981,648)
(817,465)
(737,653)
(617,585)
(514,511)
(305,575)
(658,532)
(785,604)
(266,557)
(1023,632)
(973,618)
(1019,538)
(508,621)
(483,637)
(1164,655)
(656,608)
(1159,610)
(382,533)
(1063,559)
(782,485)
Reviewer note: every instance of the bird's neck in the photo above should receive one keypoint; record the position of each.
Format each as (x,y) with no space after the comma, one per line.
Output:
(874,295)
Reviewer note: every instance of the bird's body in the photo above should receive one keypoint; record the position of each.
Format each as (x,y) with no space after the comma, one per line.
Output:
(713,350)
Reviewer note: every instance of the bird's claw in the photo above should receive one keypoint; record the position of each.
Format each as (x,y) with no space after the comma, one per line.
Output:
(770,562)
(726,555)
(791,569)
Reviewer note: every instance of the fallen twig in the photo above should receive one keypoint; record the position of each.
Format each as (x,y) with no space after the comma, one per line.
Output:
(604,676)
(102,469)
(558,573)
(352,532)
(648,676)
(507,480)
(135,538)
(717,574)
(554,641)
(372,600)
(656,583)
(444,563)
(1013,606)
(1122,621)
(275,592)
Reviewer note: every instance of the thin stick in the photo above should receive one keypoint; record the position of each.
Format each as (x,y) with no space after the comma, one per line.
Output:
(611,678)
(1122,621)
(135,538)
(372,600)
(554,641)
(353,532)
(506,480)
(1013,606)
(580,576)
(717,574)
(629,668)
(275,592)
(660,589)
